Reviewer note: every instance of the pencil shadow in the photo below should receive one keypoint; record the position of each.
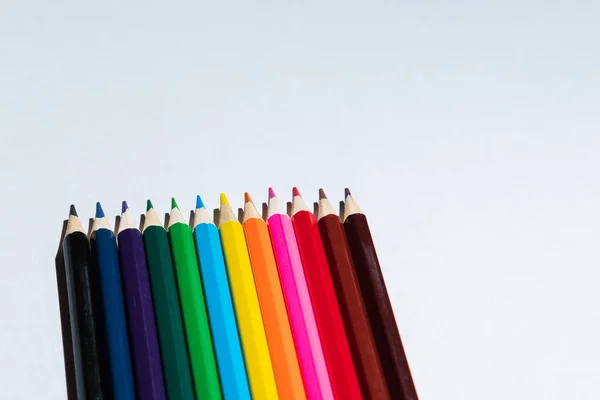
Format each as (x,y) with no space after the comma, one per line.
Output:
(167,216)
(142,220)
(240,215)
(192,218)
(265,209)
(288,208)
(216,216)
(65,322)
(117,223)
(342,209)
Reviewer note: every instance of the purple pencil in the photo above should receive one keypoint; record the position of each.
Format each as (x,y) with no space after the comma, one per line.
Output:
(140,312)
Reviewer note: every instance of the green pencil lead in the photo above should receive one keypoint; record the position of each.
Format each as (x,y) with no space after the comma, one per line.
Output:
(149,205)
(173,203)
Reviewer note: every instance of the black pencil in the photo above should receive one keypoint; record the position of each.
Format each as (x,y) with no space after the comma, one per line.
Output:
(377,301)
(84,305)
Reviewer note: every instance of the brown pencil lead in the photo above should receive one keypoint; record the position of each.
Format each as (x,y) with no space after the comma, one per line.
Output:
(347,192)
(322,194)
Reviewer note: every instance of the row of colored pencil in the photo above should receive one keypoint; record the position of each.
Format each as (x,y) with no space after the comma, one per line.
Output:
(292,306)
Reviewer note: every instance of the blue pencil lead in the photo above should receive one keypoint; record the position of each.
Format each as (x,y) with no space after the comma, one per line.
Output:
(99,211)
(199,203)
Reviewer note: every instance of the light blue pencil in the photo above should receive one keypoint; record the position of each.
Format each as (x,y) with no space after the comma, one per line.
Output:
(226,341)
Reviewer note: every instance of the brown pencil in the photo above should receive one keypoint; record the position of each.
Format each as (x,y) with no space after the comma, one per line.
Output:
(377,301)
(354,315)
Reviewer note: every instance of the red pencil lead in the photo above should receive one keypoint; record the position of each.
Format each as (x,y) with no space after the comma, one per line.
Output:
(295,192)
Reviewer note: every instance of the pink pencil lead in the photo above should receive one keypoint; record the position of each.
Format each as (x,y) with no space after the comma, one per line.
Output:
(271,193)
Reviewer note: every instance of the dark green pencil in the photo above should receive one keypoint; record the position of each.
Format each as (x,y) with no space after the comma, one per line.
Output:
(171,336)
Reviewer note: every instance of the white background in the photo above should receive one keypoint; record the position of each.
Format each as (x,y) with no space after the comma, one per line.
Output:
(468,131)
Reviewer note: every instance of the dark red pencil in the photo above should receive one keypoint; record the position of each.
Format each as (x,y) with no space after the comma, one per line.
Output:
(338,359)
(352,307)
(389,345)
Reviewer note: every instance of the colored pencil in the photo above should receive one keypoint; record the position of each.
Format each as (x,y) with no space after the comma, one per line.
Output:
(352,307)
(374,292)
(140,310)
(249,319)
(337,354)
(272,305)
(298,303)
(226,340)
(84,307)
(195,319)
(171,337)
(104,248)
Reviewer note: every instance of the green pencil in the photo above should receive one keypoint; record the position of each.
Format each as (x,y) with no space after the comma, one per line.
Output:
(195,319)
(171,337)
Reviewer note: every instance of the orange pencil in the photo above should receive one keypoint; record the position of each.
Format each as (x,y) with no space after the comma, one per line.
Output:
(272,305)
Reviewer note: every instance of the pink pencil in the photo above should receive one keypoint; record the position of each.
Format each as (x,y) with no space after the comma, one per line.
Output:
(297,300)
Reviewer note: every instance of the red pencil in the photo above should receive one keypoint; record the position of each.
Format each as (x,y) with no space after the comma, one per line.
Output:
(338,359)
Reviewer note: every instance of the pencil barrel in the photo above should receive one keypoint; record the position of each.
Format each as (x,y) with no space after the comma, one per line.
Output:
(195,319)
(381,315)
(352,307)
(84,308)
(175,361)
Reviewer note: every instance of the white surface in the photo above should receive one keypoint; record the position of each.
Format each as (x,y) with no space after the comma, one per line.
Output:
(468,132)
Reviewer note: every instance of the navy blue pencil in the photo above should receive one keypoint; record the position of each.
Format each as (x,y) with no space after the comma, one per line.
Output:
(104,248)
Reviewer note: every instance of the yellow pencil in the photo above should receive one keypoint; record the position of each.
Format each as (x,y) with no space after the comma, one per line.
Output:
(247,309)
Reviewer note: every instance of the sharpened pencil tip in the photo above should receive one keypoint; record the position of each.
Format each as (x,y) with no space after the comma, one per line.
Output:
(99,211)
(124,207)
(295,192)
(322,194)
(173,203)
(223,199)
(149,205)
(271,193)
(347,192)
(199,202)
(247,198)
(73,211)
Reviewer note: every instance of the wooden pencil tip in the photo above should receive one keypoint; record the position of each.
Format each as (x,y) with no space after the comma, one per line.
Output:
(99,211)
(72,210)
(347,192)
(173,203)
(295,192)
(271,193)
(322,194)
(247,198)
(124,206)
(149,205)
(223,200)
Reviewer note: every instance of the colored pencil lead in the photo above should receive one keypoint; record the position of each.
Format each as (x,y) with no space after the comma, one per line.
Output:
(247,198)
(173,203)
(72,210)
(347,192)
(322,194)
(295,192)
(199,202)
(124,207)
(149,205)
(99,211)
(271,193)
(223,200)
